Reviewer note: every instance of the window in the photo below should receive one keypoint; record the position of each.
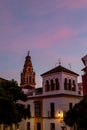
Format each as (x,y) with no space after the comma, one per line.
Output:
(5,127)
(17,127)
(52,126)
(27,80)
(38,126)
(30,79)
(29,113)
(57,84)
(28,106)
(69,87)
(52,84)
(47,85)
(11,127)
(73,86)
(38,109)
(70,106)
(65,84)
(23,80)
(28,125)
(28,69)
(52,109)
(33,80)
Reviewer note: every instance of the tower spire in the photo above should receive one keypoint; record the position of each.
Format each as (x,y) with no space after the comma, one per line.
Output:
(28,53)
(28,74)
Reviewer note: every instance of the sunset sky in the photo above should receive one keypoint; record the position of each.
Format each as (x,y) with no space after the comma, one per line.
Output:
(50,29)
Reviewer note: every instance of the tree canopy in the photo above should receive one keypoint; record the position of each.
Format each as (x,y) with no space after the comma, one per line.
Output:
(10,110)
(77,115)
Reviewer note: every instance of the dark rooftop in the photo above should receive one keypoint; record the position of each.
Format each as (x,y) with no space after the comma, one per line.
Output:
(59,69)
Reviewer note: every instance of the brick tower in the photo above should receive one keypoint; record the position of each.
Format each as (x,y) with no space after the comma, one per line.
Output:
(28,74)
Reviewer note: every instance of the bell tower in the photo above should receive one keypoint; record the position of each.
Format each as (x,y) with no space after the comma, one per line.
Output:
(28,74)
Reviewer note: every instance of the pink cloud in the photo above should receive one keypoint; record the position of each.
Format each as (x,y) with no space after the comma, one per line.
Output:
(73,4)
(77,4)
(41,41)
(64,33)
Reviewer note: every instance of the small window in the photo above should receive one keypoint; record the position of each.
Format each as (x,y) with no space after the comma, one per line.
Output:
(57,84)
(11,127)
(27,80)
(28,106)
(73,86)
(52,109)
(69,87)
(47,85)
(52,84)
(33,80)
(28,125)
(37,109)
(70,106)
(23,80)
(38,126)
(65,84)
(17,127)
(28,69)
(52,126)
(30,79)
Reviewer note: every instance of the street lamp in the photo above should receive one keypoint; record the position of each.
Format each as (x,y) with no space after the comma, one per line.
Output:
(60,115)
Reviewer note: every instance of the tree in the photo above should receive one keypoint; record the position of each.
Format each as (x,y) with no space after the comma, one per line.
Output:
(77,115)
(10,110)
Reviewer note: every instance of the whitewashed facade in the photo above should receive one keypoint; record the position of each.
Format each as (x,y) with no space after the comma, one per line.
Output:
(59,92)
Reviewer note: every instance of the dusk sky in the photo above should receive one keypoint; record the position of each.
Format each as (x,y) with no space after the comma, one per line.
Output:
(50,29)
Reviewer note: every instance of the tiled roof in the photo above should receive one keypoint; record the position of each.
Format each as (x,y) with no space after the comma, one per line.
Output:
(59,69)
(2,79)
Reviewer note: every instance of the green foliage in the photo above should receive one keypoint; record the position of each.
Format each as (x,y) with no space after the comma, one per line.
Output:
(77,115)
(10,110)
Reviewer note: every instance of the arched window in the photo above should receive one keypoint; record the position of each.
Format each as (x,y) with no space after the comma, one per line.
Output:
(26,79)
(47,85)
(73,86)
(30,79)
(69,87)
(23,80)
(52,84)
(57,84)
(65,84)
(33,80)
(28,69)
